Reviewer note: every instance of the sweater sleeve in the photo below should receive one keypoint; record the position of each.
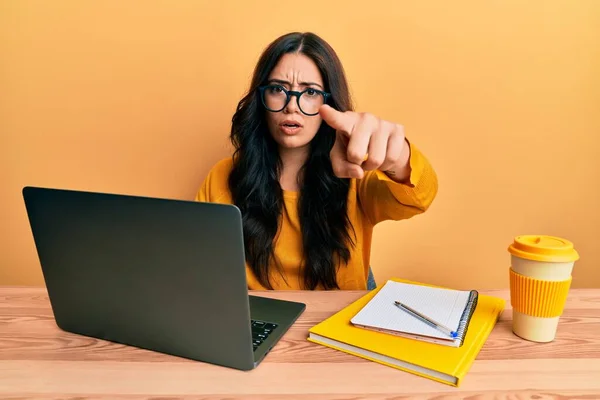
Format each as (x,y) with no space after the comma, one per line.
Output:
(214,188)
(382,198)
(203,193)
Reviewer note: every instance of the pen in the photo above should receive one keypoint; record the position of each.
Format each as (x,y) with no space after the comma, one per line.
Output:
(427,320)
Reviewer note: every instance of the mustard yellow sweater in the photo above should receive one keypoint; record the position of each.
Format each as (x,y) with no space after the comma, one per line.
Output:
(372,199)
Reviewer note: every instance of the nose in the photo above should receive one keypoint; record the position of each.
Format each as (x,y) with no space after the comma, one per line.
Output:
(292,105)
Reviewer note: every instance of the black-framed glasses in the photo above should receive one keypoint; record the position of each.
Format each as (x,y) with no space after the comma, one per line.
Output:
(275,98)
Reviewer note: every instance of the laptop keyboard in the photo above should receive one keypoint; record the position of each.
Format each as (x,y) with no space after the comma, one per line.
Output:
(261,331)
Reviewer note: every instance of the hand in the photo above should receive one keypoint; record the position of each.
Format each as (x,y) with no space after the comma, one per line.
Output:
(365,142)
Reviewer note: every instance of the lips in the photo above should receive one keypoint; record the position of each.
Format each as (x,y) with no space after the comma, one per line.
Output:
(291,123)
(290,127)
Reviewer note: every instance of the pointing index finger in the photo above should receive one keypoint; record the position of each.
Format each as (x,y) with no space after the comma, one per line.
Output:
(341,121)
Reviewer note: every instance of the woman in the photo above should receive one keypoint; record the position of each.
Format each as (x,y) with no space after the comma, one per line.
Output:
(310,176)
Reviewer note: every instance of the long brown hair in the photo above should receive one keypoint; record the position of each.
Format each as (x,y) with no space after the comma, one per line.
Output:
(254,180)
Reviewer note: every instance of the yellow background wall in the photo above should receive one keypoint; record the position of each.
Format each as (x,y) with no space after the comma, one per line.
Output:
(137,97)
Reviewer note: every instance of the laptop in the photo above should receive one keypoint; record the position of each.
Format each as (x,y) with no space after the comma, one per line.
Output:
(157,274)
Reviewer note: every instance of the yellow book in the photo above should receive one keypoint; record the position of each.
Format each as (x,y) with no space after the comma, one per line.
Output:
(444,364)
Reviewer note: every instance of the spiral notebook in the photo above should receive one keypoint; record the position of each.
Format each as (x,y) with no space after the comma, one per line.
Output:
(452,308)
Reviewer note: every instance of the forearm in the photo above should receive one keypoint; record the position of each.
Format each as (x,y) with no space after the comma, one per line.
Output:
(400,171)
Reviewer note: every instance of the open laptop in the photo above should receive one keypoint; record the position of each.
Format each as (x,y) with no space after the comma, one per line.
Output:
(159,274)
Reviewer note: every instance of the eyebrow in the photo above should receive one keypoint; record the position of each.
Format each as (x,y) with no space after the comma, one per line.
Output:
(282,82)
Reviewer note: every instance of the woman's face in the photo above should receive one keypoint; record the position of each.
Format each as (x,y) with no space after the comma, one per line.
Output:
(291,128)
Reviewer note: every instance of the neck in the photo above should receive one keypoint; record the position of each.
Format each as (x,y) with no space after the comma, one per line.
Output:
(292,161)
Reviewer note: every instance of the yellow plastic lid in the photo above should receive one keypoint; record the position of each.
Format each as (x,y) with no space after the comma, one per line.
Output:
(543,248)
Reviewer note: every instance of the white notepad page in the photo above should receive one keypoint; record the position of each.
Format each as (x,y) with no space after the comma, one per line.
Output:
(445,306)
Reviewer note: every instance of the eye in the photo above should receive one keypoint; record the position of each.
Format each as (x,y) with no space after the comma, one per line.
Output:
(311,92)
(276,89)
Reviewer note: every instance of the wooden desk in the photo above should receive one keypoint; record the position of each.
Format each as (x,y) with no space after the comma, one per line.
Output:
(37,360)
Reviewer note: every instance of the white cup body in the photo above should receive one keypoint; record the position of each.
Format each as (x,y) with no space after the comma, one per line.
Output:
(543,270)
(538,329)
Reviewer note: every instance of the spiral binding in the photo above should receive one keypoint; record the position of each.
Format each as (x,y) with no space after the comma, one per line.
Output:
(463,325)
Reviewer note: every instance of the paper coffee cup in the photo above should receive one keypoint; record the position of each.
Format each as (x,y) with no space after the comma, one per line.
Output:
(540,278)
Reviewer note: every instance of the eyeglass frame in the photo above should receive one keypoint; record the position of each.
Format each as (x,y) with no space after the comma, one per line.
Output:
(289,94)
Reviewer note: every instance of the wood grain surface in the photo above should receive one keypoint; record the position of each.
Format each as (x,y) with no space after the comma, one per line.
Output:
(39,361)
